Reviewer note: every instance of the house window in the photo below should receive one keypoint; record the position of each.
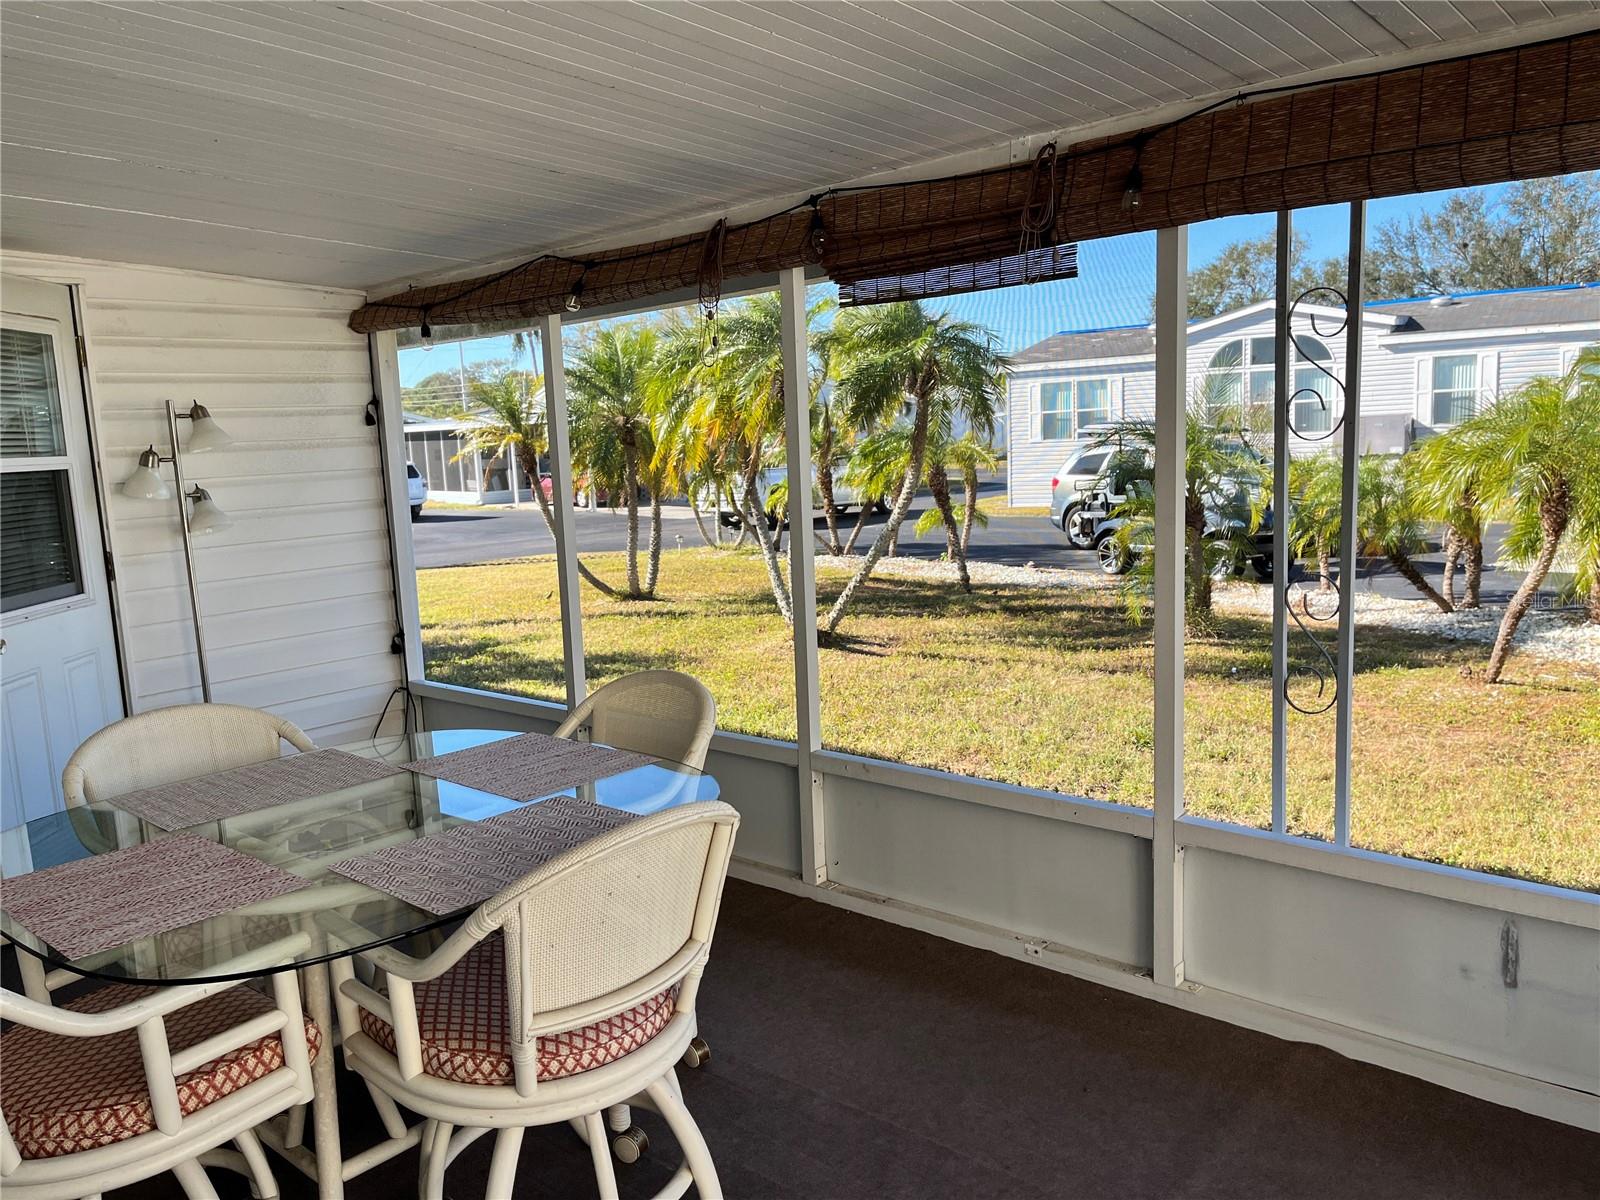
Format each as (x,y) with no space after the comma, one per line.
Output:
(1245,369)
(1455,388)
(1066,409)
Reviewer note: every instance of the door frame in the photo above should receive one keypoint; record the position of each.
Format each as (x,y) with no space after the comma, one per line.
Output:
(94,489)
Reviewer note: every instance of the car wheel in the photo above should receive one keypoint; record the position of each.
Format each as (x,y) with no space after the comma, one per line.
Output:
(881,507)
(1113,555)
(416,512)
(1076,540)
(1262,566)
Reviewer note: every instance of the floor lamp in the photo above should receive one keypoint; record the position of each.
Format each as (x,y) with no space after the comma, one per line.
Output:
(197,513)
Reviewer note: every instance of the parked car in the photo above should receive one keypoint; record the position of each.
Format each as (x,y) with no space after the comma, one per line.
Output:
(416,490)
(1227,515)
(844,497)
(1079,475)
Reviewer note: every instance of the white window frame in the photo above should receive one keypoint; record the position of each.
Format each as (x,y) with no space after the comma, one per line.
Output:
(1485,383)
(77,494)
(1113,406)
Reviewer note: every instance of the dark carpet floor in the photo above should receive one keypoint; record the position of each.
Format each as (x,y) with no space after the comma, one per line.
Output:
(854,1060)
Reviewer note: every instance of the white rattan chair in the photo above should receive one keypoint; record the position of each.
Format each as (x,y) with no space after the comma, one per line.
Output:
(571,991)
(128,1082)
(180,742)
(669,715)
(663,713)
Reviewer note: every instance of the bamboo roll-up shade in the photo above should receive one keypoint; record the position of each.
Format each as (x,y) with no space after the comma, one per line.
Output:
(1487,118)
(1513,114)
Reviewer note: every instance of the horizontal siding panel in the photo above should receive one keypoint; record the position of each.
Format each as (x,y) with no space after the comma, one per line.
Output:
(172,647)
(301,669)
(262,595)
(298,594)
(314,554)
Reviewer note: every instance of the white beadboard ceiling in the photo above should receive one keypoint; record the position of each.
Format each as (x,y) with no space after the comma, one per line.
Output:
(366,144)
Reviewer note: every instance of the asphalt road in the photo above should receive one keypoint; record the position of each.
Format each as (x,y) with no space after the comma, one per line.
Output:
(456,537)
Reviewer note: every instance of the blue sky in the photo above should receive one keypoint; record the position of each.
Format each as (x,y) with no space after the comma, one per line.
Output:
(1116,277)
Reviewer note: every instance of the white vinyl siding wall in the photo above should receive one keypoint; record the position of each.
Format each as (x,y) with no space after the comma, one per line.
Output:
(297,595)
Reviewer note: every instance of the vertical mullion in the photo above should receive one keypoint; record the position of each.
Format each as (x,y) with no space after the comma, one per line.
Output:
(1280,529)
(1171,321)
(802,570)
(555,423)
(384,357)
(1344,664)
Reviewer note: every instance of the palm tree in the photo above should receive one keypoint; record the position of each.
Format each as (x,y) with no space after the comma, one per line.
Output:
(721,408)
(893,354)
(613,435)
(873,472)
(966,456)
(1223,502)
(1316,485)
(1535,455)
(1389,518)
(1442,468)
(511,422)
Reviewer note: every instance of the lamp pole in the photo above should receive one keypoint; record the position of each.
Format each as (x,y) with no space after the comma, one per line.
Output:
(188,551)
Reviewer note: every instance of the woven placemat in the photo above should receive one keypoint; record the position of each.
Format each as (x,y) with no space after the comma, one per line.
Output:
(446,872)
(109,900)
(529,765)
(252,787)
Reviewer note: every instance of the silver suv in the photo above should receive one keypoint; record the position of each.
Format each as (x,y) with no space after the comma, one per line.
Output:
(1076,479)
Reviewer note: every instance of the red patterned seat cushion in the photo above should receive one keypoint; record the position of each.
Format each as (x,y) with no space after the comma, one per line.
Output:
(461,1016)
(64,1094)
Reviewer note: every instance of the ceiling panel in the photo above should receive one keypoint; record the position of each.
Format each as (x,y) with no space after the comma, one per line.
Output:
(367,143)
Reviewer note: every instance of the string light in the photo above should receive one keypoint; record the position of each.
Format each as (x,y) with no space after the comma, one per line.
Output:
(1133,185)
(575,296)
(426,331)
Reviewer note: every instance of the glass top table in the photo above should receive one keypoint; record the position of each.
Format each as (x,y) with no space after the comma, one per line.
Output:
(306,837)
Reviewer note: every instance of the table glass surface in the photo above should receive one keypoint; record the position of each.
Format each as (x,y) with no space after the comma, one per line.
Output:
(306,837)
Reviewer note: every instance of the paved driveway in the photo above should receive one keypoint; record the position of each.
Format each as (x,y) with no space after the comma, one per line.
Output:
(459,537)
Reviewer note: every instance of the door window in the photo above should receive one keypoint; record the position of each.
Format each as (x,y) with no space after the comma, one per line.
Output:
(39,559)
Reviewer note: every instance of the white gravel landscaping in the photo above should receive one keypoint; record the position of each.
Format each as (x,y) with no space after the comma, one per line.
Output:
(1561,636)
(1558,636)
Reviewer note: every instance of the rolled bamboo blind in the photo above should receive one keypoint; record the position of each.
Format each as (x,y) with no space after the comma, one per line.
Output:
(1487,118)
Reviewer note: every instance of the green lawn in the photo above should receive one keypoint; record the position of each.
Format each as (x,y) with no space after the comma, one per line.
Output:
(1052,688)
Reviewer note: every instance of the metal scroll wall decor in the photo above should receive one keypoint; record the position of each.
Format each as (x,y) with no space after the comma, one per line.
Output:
(1311,305)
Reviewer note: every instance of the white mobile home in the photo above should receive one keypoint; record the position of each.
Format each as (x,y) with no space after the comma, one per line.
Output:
(1426,364)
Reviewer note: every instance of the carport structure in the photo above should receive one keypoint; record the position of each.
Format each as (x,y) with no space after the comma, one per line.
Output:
(249,204)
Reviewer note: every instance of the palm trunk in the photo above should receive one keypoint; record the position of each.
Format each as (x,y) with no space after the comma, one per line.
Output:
(902,505)
(700,524)
(861,523)
(1324,567)
(1401,562)
(1474,554)
(830,511)
(755,520)
(1594,601)
(1452,557)
(653,569)
(1554,513)
(630,482)
(939,485)
(589,576)
(1198,602)
(969,493)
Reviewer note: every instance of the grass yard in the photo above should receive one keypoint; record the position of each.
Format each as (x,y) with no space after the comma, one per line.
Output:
(1052,688)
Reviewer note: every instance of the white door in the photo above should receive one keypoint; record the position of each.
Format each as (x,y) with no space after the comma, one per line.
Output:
(58,660)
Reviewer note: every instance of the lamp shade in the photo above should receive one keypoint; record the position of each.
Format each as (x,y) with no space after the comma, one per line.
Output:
(205,516)
(144,482)
(206,434)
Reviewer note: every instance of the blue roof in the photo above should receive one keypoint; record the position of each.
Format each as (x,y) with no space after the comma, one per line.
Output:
(1521,291)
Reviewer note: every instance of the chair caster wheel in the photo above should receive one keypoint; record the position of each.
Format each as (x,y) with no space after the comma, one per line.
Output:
(697,1055)
(630,1145)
